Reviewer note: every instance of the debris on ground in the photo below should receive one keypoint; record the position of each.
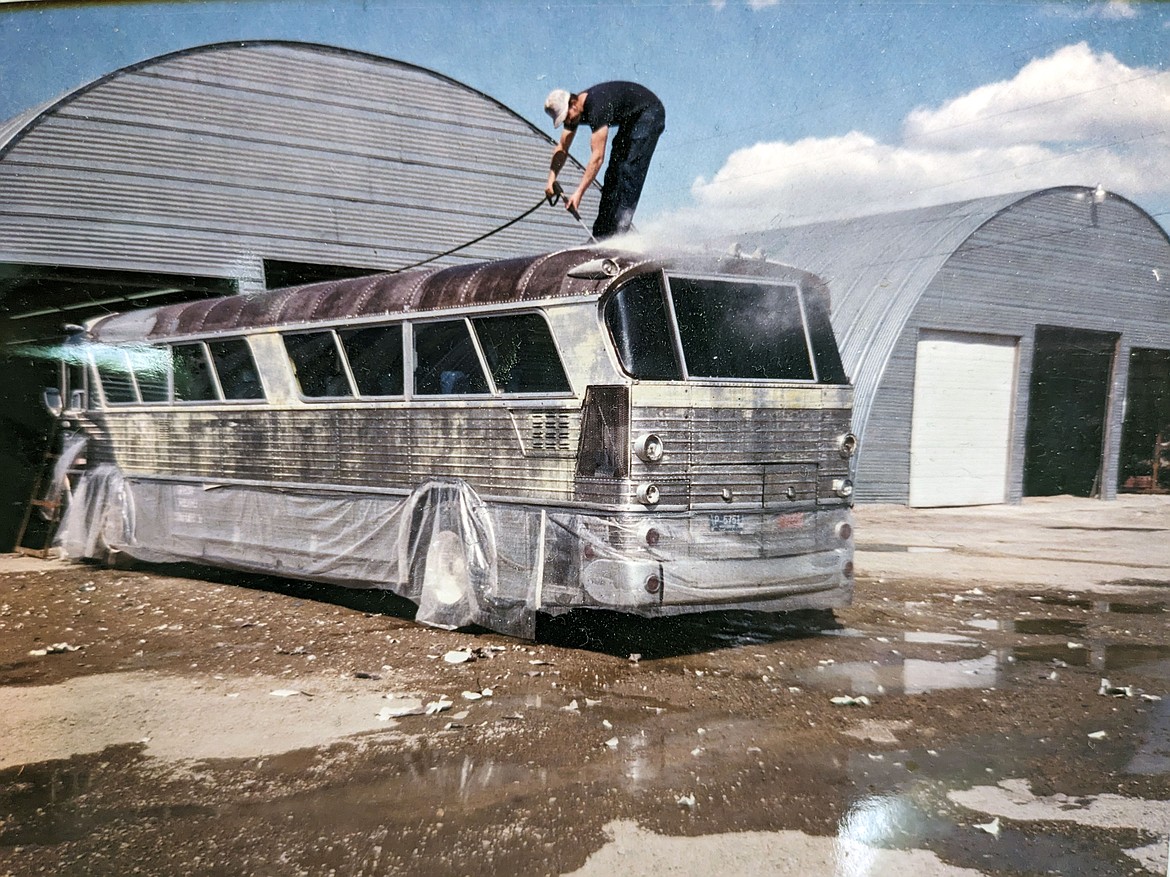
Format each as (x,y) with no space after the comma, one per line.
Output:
(1109,690)
(54,649)
(991,827)
(846,700)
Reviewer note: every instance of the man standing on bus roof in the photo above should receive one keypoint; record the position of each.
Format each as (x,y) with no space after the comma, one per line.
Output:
(639,117)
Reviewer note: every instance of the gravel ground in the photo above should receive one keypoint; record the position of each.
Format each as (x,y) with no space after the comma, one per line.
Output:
(188,721)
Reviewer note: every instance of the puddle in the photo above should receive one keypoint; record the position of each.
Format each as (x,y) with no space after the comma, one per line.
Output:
(1144,659)
(1153,755)
(937,799)
(1136,659)
(38,802)
(938,639)
(1031,626)
(904,676)
(1106,606)
(1071,602)
(1046,626)
(1052,654)
(1136,608)
(927,637)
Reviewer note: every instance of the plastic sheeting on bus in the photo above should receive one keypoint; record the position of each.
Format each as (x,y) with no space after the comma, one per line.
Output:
(438,547)
(460,560)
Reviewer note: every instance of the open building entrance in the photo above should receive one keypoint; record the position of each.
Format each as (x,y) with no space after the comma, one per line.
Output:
(1067,411)
(1145,438)
(36,302)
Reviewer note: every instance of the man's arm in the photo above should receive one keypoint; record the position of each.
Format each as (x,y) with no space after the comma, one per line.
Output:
(596,157)
(560,154)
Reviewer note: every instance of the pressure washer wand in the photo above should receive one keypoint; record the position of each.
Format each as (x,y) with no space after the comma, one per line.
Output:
(559,195)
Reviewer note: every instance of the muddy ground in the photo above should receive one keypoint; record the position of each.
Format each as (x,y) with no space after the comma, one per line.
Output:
(185,721)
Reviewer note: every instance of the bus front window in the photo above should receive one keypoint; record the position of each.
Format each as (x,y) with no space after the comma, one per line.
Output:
(637,321)
(741,329)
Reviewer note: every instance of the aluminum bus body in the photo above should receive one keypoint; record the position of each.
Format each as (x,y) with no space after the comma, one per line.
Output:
(586,428)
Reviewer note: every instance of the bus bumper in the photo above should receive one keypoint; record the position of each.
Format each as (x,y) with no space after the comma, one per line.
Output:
(668,587)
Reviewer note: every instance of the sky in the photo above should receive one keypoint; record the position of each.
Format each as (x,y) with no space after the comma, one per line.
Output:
(779,112)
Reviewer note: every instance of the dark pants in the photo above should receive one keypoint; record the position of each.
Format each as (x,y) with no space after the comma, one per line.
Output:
(629,160)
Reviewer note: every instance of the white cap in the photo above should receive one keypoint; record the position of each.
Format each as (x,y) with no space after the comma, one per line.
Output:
(557,106)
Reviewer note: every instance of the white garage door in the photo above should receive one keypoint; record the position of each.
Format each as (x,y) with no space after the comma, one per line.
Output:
(964,390)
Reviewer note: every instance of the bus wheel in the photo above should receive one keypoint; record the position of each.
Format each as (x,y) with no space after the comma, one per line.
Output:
(445,578)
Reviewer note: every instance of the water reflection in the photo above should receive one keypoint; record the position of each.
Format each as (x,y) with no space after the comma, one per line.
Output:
(905,675)
(873,823)
(1153,756)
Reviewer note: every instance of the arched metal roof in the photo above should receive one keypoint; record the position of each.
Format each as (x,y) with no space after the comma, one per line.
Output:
(878,267)
(209,161)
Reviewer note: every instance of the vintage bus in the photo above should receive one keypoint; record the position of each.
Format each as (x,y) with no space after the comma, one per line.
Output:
(585,428)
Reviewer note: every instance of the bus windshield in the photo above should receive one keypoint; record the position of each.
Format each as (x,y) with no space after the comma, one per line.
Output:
(740,328)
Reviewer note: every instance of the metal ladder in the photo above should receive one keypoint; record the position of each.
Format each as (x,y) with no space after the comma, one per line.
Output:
(42,515)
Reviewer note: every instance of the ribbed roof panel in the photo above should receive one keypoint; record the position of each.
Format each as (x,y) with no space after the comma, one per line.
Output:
(877,268)
(208,161)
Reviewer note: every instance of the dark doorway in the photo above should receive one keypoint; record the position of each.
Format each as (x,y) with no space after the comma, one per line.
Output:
(1071,371)
(1147,422)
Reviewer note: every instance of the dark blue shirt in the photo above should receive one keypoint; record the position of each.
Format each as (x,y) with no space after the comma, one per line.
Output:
(615,103)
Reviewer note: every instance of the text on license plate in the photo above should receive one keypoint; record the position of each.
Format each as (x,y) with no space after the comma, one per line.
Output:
(725,523)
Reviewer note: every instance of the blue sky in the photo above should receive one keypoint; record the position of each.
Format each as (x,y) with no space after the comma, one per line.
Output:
(777,112)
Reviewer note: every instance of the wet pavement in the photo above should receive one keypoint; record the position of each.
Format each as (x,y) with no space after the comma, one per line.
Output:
(995,702)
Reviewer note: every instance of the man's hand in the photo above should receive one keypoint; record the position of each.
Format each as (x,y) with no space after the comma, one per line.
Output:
(573,203)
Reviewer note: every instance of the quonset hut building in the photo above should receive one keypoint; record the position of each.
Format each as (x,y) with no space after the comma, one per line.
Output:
(239,167)
(1010,346)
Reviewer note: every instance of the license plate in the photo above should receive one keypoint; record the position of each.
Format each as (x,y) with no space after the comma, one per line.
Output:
(725,523)
(790,522)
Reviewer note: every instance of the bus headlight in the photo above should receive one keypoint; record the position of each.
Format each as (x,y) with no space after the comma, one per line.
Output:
(847,445)
(843,487)
(649,448)
(648,493)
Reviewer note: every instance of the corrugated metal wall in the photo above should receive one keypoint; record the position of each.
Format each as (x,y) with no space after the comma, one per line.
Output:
(1000,266)
(210,160)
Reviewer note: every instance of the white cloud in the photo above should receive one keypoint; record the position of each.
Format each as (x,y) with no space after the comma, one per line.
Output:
(1119,9)
(1111,10)
(1074,117)
(1073,95)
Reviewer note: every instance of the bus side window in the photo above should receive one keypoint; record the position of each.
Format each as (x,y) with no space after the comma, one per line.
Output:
(193,381)
(445,362)
(236,369)
(521,354)
(317,364)
(375,358)
(113,368)
(152,370)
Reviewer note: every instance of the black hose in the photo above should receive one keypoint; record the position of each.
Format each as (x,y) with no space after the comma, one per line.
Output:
(463,246)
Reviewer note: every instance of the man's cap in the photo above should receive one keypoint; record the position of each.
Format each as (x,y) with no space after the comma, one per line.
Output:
(557,106)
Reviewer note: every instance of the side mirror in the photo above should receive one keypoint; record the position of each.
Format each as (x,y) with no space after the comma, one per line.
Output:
(51,398)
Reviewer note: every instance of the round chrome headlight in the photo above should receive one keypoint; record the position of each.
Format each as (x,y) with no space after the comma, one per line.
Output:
(847,444)
(649,448)
(843,487)
(648,493)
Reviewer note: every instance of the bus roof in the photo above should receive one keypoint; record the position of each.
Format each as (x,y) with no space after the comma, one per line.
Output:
(530,278)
